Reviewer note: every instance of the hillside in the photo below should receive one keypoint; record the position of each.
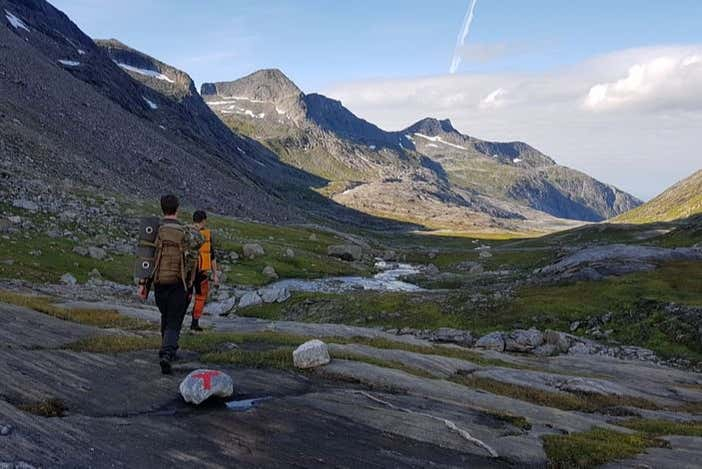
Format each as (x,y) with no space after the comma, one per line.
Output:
(682,200)
(419,170)
(517,172)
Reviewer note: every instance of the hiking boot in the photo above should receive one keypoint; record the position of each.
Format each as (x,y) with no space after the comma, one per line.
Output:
(166,368)
(195,326)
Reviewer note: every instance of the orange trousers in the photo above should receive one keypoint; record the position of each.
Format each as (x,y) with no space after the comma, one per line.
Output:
(201,299)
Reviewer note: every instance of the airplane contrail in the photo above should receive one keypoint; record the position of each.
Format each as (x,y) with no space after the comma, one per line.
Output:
(467,21)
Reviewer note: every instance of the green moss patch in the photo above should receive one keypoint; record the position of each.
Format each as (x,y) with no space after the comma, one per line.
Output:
(91,317)
(595,447)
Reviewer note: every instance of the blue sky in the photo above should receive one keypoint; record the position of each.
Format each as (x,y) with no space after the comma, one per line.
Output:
(613,88)
(319,42)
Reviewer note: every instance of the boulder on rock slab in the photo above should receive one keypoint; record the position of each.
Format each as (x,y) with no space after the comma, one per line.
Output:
(250,299)
(311,354)
(346,252)
(274,294)
(202,384)
(289,254)
(523,341)
(560,341)
(252,251)
(492,341)
(68,279)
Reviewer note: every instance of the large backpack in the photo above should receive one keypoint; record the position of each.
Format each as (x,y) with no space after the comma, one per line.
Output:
(175,261)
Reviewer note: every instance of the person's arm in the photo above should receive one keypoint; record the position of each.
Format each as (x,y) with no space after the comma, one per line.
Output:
(215,274)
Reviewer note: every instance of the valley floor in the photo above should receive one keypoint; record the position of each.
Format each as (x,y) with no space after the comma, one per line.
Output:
(88,396)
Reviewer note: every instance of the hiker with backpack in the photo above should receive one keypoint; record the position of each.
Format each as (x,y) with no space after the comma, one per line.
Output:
(207,268)
(171,270)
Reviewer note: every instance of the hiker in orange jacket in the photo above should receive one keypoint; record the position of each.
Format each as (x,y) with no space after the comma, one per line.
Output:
(207,269)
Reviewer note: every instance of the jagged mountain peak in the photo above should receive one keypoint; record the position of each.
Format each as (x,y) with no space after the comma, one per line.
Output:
(431,126)
(269,85)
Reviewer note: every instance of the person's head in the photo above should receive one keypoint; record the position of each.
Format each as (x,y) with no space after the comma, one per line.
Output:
(169,205)
(200,217)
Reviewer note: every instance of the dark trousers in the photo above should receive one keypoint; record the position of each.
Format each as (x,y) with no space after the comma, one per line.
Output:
(172,302)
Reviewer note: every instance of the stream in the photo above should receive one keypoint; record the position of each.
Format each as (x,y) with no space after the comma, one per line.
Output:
(388,279)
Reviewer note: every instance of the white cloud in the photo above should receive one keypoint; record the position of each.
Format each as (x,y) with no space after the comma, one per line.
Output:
(671,80)
(494,100)
(643,137)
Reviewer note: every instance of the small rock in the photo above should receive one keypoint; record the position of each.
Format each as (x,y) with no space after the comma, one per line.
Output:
(250,299)
(492,341)
(25,205)
(346,252)
(313,237)
(453,336)
(269,272)
(545,350)
(15,220)
(574,326)
(559,340)
(81,251)
(68,279)
(523,341)
(201,385)
(581,348)
(289,254)
(227,347)
(95,275)
(485,254)
(220,308)
(274,294)
(252,251)
(5,430)
(97,253)
(311,354)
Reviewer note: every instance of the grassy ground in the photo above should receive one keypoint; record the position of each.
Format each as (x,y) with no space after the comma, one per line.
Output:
(564,401)
(636,302)
(664,427)
(595,447)
(92,317)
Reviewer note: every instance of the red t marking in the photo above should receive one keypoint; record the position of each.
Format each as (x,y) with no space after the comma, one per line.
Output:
(206,378)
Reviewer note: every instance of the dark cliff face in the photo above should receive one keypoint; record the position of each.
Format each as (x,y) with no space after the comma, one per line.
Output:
(79,115)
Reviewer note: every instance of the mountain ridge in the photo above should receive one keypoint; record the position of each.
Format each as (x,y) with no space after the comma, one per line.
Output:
(512,173)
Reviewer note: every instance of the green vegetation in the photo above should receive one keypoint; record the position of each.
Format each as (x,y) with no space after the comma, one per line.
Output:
(38,258)
(680,201)
(92,317)
(516,421)
(564,401)
(595,447)
(664,427)
(310,258)
(280,358)
(47,408)
(358,357)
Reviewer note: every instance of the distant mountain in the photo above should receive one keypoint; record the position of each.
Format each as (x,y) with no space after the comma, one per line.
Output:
(682,200)
(366,164)
(517,172)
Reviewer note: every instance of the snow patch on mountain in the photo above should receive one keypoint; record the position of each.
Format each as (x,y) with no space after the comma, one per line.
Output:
(69,63)
(439,140)
(145,72)
(16,22)
(151,104)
